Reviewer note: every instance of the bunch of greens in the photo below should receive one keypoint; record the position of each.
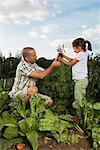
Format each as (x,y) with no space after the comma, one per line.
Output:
(4,98)
(90,120)
(19,123)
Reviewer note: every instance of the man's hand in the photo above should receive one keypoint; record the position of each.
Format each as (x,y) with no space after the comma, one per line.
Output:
(56,64)
(60,58)
(59,55)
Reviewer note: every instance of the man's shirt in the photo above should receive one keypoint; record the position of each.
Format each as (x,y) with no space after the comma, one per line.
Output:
(23,78)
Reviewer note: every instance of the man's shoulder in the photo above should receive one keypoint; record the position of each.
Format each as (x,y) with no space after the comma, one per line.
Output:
(20,65)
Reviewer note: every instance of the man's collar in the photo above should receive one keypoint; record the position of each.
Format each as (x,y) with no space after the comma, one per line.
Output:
(26,63)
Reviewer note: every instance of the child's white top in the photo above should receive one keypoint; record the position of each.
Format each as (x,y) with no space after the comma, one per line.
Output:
(79,70)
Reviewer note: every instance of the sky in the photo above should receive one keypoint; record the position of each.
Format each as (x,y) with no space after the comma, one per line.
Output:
(46,24)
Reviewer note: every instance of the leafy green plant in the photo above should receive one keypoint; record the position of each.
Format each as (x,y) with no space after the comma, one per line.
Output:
(4,100)
(91,121)
(26,123)
(59,86)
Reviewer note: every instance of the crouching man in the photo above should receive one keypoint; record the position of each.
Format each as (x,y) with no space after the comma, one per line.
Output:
(27,73)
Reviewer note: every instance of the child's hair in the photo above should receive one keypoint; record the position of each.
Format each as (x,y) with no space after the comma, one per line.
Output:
(81,42)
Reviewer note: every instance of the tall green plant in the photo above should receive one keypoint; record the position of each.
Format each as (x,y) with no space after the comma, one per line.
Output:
(59,86)
(93,90)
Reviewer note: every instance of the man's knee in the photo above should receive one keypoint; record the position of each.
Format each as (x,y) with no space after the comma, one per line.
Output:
(49,102)
(32,90)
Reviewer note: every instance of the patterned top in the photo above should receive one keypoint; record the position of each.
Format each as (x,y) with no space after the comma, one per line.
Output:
(22,78)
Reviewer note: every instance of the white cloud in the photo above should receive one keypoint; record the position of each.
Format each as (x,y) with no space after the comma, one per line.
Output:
(56,6)
(49,28)
(43,36)
(53,15)
(34,33)
(3,18)
(43,31)
(93,32)
(45,3)
(66,42)
(84,26)
(5,3)
(93,35)
(23,11)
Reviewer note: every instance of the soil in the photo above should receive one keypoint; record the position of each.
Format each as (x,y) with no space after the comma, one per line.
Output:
(52,145)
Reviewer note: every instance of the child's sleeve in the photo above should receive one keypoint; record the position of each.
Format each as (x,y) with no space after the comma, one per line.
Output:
(78,56)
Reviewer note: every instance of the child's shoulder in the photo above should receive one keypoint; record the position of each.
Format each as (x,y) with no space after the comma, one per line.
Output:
(81,55)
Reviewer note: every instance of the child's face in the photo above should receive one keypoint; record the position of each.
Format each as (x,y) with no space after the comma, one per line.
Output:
(77,49)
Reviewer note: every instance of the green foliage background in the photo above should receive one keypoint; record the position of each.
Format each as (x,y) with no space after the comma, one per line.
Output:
(59,86)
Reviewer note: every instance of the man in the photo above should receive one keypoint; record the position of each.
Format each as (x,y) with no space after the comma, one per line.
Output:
(27,73)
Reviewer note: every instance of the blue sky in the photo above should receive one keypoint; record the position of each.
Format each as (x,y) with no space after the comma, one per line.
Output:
(46,24)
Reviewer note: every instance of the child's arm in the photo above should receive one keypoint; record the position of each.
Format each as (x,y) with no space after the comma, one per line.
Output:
(66,57)
(69,63)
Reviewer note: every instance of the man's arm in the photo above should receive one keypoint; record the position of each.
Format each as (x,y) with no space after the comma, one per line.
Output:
(44,73)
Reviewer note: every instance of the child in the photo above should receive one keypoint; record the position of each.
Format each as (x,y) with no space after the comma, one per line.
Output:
(79,70)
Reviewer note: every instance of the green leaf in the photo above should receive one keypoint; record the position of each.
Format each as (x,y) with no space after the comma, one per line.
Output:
(4,99)
(51,122)
(8,120)
(21,108)
(10,132)
(33,139)
(48,121)
(46,125)
(26,125)
(96,106)
(66,117)
(4,144)
(1,123)
(96,137)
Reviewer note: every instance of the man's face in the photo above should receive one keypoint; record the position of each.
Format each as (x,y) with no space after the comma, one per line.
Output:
(31,56)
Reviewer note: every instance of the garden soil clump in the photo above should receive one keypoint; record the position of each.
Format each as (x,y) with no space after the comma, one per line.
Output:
(52,145)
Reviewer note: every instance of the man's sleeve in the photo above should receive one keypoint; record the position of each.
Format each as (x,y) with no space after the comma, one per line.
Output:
(26,71)
(37,68)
